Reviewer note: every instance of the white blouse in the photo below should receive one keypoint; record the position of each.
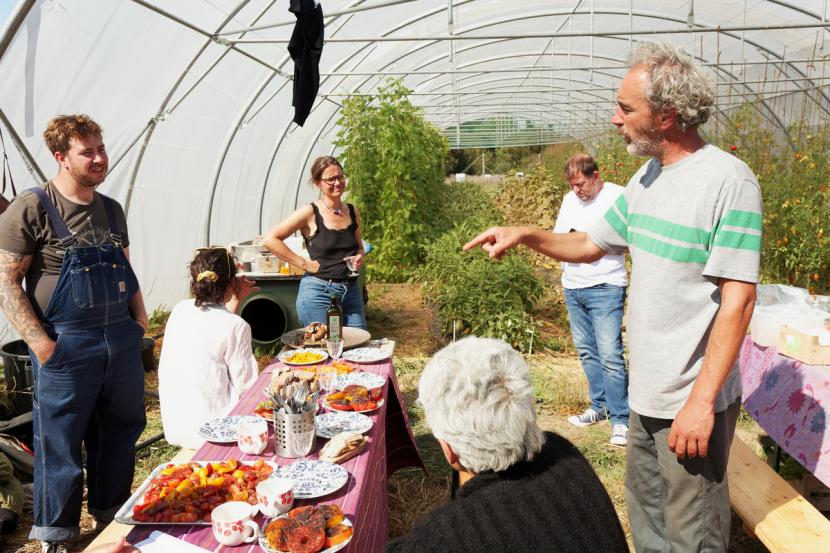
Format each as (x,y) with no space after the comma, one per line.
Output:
(206,364)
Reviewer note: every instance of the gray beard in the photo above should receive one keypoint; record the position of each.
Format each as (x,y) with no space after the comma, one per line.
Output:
(644,147)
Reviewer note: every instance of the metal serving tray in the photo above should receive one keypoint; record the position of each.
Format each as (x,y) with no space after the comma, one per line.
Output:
(125,513)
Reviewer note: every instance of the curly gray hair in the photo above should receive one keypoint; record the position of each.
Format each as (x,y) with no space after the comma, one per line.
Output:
(478,398)
(677,83)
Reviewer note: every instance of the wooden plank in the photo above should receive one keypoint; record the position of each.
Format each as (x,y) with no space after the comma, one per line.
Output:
(114,530)
(782,519)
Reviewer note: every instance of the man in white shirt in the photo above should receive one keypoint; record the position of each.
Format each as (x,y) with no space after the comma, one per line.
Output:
(595,296)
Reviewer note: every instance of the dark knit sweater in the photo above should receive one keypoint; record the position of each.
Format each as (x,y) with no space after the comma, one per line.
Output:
(554,503)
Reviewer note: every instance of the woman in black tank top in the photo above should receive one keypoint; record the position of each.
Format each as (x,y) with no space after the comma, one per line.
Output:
(331,231)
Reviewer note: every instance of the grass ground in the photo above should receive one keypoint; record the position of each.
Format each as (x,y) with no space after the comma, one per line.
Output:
(396,312)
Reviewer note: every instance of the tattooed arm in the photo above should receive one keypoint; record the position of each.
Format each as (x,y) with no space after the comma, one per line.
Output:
(18,308)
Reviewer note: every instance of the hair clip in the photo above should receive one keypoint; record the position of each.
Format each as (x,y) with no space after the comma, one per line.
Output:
(210,276)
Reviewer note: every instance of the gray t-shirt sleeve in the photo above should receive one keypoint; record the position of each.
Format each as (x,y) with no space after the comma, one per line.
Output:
(735,250)
(610,232)
(21,225)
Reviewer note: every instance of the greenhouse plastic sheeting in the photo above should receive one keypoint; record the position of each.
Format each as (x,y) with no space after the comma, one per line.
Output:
(195,95)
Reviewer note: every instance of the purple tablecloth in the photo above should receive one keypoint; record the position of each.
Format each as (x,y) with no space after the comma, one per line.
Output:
(790,400)
(363,498)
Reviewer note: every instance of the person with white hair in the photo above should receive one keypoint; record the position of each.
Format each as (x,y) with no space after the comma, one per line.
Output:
(691,219)
(524,489)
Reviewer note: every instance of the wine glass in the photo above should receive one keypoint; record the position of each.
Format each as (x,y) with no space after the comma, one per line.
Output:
(326,377)
(335,348)
(351,263)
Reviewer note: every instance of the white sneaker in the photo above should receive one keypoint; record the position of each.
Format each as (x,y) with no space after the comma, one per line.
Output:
(619,435)
(587,418)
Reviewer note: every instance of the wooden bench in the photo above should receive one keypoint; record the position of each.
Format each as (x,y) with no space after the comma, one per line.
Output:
(771,509)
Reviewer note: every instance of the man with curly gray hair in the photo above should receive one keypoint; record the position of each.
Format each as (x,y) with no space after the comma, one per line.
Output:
(524,490)
(691,220)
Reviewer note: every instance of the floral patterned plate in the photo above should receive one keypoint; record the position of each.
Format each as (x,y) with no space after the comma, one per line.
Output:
(313,478)
(330,424)
(266,545)
(223,430)
(365,355)
(367,380)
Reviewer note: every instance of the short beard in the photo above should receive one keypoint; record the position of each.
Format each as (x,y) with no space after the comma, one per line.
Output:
(88,181)
(644,148)
(648,146)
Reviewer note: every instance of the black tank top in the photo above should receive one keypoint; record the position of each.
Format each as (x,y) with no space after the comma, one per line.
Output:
(328,246)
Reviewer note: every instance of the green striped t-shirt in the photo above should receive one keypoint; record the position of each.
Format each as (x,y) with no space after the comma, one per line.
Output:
(686,225)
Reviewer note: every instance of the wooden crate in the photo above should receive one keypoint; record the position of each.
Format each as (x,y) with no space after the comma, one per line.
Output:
(802,347)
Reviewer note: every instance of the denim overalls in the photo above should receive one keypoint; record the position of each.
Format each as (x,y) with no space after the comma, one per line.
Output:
(91,390)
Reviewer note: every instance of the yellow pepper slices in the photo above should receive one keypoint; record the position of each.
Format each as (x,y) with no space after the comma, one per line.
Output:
(184,485)
(219,481)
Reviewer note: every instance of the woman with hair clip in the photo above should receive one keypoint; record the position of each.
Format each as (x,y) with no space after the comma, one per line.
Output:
(331,230)
(207,361)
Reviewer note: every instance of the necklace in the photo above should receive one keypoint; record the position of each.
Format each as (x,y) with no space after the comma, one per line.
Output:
(337,211)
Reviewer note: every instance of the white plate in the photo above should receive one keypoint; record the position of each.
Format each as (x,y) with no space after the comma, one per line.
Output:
(330,424)
(223,430)
(266,545)
(313,478)
(365,355)
(367,380)
(327,406)
(286,355)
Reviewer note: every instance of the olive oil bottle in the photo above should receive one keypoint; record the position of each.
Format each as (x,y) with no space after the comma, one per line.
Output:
(334,319)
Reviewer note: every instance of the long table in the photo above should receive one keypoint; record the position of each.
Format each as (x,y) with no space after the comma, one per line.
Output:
(363,498)
(791,402)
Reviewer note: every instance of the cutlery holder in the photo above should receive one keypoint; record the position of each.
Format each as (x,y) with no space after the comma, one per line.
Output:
(294,435)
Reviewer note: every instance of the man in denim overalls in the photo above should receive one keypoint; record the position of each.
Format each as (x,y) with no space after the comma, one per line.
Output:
(83,317)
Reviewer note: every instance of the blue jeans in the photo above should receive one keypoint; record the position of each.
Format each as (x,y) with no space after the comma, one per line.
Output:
(90,391)
(596,324)
(314,296)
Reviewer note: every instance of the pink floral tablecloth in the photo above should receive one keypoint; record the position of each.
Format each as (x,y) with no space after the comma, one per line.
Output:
(790,400)
(363,498)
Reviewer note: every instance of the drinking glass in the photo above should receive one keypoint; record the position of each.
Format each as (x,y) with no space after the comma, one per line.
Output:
(351,263)
(326,377)
(335,348)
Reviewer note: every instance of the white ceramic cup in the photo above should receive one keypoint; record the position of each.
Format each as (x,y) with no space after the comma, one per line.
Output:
(275,496)
(232,523)
(252,437)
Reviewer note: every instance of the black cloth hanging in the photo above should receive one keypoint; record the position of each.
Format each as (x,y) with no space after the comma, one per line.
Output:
(306,47)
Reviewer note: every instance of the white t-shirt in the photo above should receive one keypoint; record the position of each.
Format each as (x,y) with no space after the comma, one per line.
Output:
(206,364)
(580,216)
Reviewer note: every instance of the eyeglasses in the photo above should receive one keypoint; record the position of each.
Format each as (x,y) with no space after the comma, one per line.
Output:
(335,179)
